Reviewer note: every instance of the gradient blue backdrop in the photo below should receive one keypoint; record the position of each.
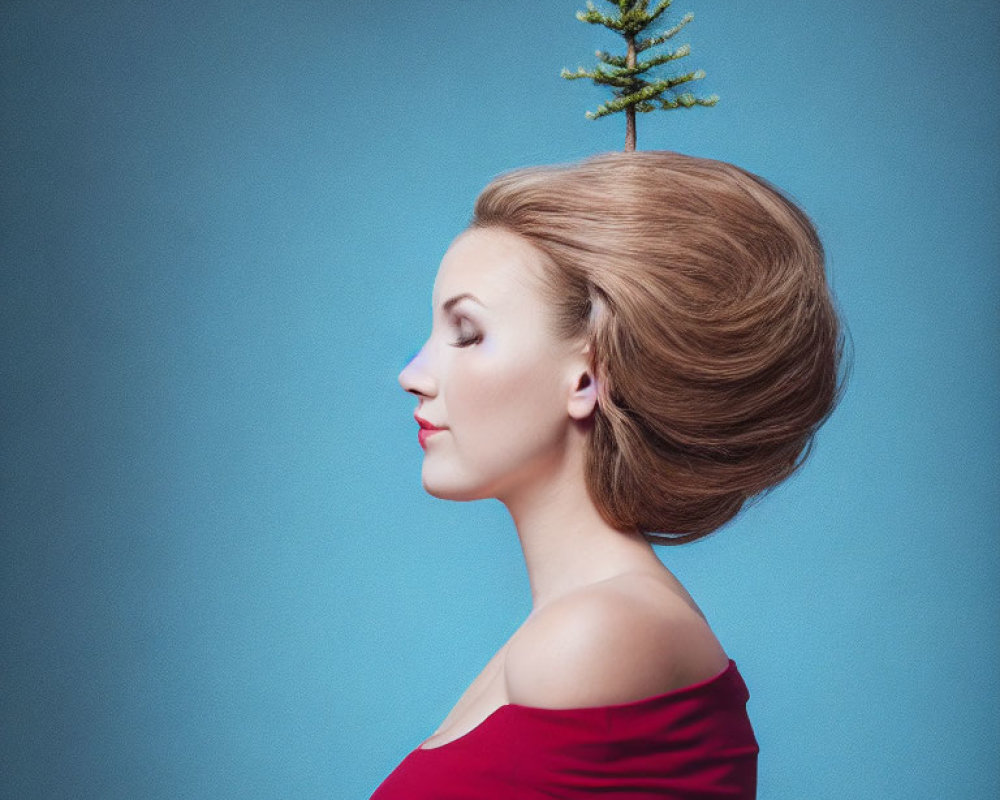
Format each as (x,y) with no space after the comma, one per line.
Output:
(219,226)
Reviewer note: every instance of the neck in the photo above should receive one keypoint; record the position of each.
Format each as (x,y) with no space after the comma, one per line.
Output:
(566,543)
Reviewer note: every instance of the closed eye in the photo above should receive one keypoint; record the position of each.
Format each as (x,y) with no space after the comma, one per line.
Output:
(467,334)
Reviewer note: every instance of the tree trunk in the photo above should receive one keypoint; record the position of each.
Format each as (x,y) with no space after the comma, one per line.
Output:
(630,111)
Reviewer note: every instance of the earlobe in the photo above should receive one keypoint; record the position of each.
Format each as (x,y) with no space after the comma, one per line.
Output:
(583,400)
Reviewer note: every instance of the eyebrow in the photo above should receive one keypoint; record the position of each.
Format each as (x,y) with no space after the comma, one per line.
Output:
(451,302)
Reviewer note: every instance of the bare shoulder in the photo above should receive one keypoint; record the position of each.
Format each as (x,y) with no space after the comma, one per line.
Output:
(621,640)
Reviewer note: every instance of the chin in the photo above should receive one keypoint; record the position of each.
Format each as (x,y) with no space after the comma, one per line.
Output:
(451,493)
(444,489)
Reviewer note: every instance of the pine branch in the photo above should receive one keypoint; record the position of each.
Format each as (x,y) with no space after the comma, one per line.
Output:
(580,73)
(621,103)
(666,58)
(595,17)
(686,100)
(601,77)
(656,12)
(607,58)
(652,41)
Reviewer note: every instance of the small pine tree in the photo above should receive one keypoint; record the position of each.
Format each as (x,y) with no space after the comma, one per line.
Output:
(625,74)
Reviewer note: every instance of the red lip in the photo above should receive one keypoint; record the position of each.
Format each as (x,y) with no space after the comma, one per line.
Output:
(426,430)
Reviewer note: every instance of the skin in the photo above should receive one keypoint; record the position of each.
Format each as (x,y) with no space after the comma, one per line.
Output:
(609,623)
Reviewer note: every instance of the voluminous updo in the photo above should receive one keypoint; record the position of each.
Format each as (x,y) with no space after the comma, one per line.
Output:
(700,290)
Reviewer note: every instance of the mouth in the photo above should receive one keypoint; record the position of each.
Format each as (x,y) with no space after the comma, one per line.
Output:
(426,430)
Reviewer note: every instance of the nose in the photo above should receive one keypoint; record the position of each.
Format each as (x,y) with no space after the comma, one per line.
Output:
(416,377)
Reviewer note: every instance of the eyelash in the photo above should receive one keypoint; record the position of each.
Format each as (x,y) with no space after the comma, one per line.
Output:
(468,339)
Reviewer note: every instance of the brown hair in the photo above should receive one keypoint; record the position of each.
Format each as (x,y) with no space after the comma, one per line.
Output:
(701,292)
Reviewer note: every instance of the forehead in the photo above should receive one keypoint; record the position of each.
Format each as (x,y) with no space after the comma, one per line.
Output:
(496,266)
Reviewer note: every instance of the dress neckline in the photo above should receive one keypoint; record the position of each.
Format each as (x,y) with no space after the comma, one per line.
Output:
(507,708)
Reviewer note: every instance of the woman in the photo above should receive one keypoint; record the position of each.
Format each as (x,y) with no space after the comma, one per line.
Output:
(623,352)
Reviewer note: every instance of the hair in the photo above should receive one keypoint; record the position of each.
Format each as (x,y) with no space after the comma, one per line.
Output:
(700,291)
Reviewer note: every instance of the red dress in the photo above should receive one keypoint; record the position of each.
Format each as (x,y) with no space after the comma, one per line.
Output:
(693,743)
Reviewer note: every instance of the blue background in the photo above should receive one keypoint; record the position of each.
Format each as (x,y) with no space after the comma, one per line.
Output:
(219,227)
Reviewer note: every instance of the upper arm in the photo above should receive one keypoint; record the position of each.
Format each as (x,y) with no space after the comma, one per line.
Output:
(603,647)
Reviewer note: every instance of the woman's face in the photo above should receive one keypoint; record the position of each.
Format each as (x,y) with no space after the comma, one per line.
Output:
(502,388)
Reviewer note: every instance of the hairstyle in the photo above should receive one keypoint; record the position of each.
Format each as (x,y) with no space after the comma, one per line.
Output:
(700,291)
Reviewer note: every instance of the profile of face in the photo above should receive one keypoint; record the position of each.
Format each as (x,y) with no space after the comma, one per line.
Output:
(509,397)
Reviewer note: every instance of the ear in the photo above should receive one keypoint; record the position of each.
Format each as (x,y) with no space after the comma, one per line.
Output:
(583,399)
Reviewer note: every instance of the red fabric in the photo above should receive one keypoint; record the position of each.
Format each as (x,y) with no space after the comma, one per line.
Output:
(694,743)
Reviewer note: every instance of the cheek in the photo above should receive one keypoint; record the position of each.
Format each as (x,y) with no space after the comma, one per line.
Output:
(483,389)
(499,405)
